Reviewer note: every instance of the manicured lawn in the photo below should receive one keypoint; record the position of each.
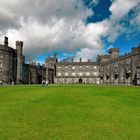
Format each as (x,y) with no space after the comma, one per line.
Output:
(70,112)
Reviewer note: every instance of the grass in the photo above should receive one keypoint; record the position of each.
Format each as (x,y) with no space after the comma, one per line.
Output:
(70,112)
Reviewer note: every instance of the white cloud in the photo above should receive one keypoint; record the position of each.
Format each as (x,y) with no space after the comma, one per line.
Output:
(135,22)
(46,25)
(87,53)
(59,34)
(119,12)
(120,8)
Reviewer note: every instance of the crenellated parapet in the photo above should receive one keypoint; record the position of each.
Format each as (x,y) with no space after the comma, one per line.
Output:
(19,47)
(101,59)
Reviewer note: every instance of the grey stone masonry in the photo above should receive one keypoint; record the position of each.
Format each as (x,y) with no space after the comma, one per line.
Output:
(119,70)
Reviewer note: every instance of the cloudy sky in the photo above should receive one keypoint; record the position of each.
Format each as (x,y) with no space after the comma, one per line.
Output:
(72,28)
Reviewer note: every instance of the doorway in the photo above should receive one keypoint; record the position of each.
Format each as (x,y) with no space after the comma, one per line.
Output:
(80,81)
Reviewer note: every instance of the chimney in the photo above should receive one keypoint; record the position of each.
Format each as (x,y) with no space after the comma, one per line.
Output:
(54,55)
(88,60)
(80,59)
(72,60)
(6,41)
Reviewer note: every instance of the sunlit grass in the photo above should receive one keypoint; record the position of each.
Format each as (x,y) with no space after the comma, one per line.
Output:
(70,112)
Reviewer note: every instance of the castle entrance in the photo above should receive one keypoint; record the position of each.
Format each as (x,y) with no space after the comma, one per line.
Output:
(80,81)
(39,79)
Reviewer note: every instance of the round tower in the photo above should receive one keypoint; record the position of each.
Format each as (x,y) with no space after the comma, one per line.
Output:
(20,59)
(19,47)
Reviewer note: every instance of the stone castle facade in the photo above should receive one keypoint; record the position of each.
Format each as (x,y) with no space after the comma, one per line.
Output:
(108,69)
(120,70)
(73,72)
(13,67)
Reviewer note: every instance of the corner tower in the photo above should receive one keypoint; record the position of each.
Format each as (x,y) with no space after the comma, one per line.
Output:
(113,53)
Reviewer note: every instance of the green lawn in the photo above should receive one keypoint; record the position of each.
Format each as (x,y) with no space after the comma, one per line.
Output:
(70,112)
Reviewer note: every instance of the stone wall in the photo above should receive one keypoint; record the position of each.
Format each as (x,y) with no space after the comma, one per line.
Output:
(7,64)
(13,67)
(119,71)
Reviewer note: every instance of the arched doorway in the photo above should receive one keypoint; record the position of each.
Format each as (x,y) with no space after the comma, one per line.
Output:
(80,81)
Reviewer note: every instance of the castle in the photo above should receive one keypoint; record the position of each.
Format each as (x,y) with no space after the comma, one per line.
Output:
(108,69)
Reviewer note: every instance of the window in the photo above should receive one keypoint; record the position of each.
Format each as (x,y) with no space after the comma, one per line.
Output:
(66,67)
(73,67)
(59,67)
(88,73)
(66,74)
(95,67)
(59,74)
(1,57)
(80,74)
(73,74)
(95,73)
